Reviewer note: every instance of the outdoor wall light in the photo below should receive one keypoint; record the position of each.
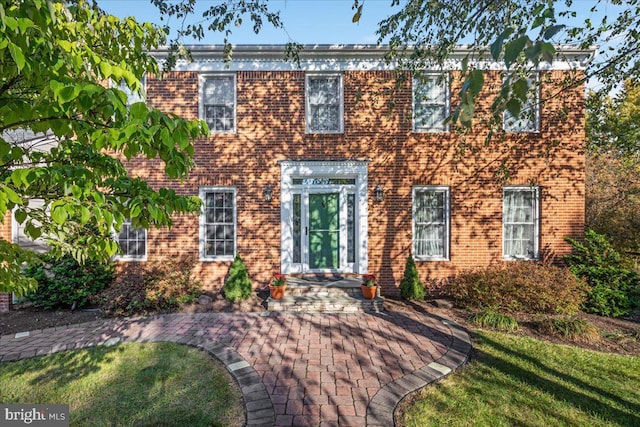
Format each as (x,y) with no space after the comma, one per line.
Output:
(267,193)
(378,193)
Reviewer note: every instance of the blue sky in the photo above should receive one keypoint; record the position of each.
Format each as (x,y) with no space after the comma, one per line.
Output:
(306,21)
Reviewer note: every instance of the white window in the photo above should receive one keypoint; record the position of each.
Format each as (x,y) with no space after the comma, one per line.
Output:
(218,223)
(218,102)
(430,102)
(324,103)
(132,96)
(529,119)
(18,230)
(133,243)
(520,219)
(431,223)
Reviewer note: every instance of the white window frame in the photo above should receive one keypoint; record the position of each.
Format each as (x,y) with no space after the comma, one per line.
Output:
(340,78)
(202,78)
(534,78)
(535,220)
(203,193)
(415,83)
(125,257)
(447,222)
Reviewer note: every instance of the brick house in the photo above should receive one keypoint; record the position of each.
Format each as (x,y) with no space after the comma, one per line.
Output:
(343,165)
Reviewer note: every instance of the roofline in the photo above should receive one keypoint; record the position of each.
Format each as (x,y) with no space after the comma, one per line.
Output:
(276,51)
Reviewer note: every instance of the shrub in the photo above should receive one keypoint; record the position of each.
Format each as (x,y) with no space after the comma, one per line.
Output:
(519,286)
(613,287)
(492,319)
(570,327)
(238,285)
(410,286)
(64,282)
(151,287)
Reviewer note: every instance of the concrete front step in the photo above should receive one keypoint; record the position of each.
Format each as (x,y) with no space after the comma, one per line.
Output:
(324,294)
(325,304)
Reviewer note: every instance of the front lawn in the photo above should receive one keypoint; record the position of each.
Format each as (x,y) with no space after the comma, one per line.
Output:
(523,381)
(128,384)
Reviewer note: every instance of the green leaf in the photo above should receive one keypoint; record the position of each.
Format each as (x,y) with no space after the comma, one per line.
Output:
(513,107)
(357,15)
(20,215)
(513,49)
(59,214)
(17,55)
(66,45)
(105,69)
(2,17)
(85,215)
(552,31)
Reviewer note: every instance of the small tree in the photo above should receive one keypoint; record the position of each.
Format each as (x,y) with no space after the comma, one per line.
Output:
(613,286)
(238,285)
(410,287)
(63,282)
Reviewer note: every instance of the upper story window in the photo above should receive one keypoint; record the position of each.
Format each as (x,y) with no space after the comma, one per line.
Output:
(324,103)
(431,223)
(529,119)
(430,102)
(520,222)
(132,96)
(133,242)
(218,223)
(218,102)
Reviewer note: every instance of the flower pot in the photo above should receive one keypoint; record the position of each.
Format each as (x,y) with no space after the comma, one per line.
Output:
(368,292)
(277,292)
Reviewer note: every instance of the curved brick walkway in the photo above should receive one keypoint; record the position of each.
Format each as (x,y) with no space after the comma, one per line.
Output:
(293,369)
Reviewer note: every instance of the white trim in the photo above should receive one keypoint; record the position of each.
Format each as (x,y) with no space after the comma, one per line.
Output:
(202,238)
(536,221)
(447,99)
(211,58)
(337,169)
(131,258)
(307,106)
(447,229)
(202,77)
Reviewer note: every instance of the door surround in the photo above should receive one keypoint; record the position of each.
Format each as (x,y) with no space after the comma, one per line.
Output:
(348,169)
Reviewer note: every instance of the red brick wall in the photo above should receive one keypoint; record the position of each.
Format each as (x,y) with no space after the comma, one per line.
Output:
(5,234)
(271,127)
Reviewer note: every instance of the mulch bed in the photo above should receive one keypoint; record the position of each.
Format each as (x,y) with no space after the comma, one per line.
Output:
(617,335)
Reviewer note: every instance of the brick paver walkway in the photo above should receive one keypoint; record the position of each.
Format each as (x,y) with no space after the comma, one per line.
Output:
(300,370)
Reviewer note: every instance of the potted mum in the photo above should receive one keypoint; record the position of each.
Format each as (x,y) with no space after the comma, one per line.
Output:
(277,286)
(369,286)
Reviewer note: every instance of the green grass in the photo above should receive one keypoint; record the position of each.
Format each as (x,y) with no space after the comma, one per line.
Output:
(159,384)
(494,320)
(525,382)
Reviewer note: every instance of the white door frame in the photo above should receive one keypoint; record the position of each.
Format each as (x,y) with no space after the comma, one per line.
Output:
(323,169)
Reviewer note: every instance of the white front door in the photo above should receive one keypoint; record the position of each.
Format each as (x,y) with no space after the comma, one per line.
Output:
(323,220)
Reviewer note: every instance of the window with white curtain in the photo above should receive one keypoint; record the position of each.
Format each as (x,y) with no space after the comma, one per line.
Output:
(430,102)
(218,223)
(529,119)
(133,242)
(324,103)
(520,219)
(218,102)
(431,223)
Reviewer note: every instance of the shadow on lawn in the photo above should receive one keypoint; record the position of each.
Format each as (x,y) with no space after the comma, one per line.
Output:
(589,398)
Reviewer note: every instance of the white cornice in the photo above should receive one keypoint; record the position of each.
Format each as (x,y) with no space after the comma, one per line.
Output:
(347,57)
